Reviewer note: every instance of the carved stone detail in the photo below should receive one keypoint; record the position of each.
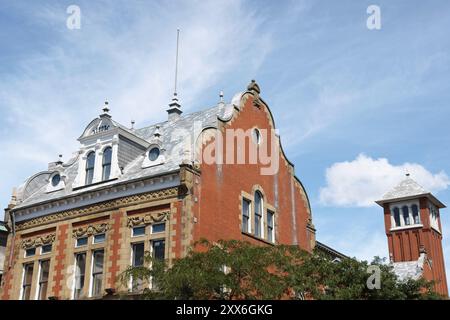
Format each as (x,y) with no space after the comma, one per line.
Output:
(253,87)
(90,230)
(104,206)
(38,241)
(147,219)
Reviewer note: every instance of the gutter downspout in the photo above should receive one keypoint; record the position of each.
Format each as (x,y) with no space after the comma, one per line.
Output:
(11,252)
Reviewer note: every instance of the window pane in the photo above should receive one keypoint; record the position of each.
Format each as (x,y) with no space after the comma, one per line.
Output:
(258,213)
(158,247)
(30,252)
(47,248)
(270,232)
(415,212)
(245,215)
(138,231)
(397,217)
(153,154)
(80,267)
(138,254)
(90,162)
(82,241)
(27,278)
(406,215)
(43,279)
(97,272)
(98,238)
(160,227)
(107,156)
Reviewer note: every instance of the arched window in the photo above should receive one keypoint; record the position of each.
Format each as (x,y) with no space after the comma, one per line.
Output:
(90,162)
(405,212)
(258,213)
(106,163)
(397,217)
(415,214)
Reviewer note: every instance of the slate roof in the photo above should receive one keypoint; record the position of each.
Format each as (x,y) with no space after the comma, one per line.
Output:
(408,189)
(33,190)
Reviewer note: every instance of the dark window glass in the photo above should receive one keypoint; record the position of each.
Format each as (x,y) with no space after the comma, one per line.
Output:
(56,179)
(80,269)
(137,261)
(158,249)
(160,227)
(82,241)
(405,212)
(138,231)
(270,233)
(97,272)
(99,238)
(30,252)
(106,164)
(256,136)
(415,213)
(245,215)
(46,248)
(90,163)
(43,279)
(153,154)
(397,217)
(27,278)
(258,213)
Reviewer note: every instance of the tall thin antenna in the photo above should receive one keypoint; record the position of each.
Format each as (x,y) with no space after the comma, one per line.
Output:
(176,63)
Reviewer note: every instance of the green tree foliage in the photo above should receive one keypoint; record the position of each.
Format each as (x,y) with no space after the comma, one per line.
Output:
(238,270)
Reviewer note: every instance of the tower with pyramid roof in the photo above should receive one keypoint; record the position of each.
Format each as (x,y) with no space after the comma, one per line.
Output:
(413,228)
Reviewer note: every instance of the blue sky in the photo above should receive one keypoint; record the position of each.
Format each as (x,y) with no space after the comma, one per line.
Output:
(356,108)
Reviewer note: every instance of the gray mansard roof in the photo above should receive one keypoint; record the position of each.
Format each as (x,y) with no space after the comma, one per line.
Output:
(33,190)
(408,189)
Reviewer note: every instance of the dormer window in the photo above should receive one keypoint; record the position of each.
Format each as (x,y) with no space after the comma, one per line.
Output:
(90,163)
(56,180)
(153,154)
(106,163)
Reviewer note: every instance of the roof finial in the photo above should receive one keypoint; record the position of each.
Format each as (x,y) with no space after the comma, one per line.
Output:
(174,107)
(132,124)
(407,173)
(60,159)
(105,107)
(221,96)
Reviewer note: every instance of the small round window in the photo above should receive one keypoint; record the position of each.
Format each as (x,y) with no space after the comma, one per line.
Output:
(56,179)
(153,154)
(256,135)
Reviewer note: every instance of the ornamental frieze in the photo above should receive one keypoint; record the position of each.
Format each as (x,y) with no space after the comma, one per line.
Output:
(38,241)
(90,230)
(147,219)
(104,206)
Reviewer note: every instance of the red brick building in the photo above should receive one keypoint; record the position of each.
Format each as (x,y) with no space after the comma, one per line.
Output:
(217,174)
(414,231)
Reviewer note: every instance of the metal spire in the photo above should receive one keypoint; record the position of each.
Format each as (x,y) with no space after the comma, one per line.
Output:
(176,64)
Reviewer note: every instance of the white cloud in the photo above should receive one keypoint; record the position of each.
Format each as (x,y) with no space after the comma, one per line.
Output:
(362,181)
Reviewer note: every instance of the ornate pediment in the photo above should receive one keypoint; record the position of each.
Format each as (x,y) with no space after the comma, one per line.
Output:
(90,230)
(148,219)
(38,241)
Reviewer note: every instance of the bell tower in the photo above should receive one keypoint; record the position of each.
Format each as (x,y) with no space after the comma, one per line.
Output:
(413,228)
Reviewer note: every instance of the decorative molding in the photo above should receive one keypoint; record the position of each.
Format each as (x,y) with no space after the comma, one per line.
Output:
(103,206)
(147,219)
(38,241)
(90,230)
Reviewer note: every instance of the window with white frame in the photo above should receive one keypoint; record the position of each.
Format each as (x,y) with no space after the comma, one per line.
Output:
(90,164)
(270,226)
(27,280)
(106,163)
(405,214)
(44,269)
(434,215)
(80,274)
(97,272)
(137,260)
(258,214)
(246,205)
